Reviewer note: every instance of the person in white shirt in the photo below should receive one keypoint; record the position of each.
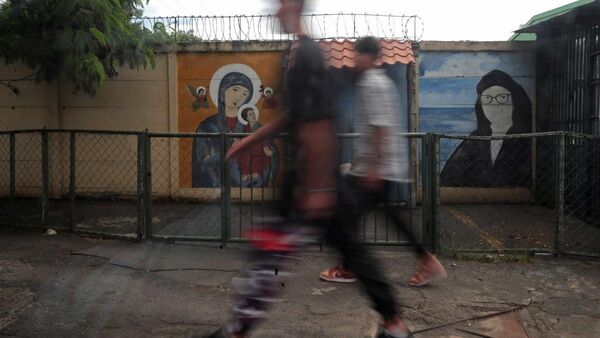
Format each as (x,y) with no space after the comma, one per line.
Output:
(380,163)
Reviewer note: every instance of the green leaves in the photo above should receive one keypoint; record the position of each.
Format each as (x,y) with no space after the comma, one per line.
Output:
(84,41)
(167,36)
(99,36)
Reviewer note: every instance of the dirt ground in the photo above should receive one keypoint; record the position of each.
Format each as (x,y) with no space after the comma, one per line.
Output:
(67,285)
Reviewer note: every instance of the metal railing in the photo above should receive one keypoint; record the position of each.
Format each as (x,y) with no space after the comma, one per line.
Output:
(242,193)
(541,193)
(141,185)
(268,28)
(517,193)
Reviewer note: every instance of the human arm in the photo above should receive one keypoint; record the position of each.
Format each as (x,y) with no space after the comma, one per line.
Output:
(263,133)
(372,180)
(318,188)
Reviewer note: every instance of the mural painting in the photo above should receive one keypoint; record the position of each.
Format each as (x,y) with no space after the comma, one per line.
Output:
(502,108)
(479,94)
(224,97)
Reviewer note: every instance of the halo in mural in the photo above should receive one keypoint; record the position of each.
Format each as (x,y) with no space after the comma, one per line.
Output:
(241,110)
(235,68)
(201,90)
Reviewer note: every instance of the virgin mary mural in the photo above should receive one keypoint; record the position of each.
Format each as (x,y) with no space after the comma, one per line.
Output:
(502,108)
(232,87)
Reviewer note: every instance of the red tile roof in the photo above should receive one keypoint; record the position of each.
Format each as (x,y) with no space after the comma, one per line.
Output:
(341,53)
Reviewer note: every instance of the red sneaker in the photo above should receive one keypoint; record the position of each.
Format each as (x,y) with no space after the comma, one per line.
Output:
(430,270)
(338,274)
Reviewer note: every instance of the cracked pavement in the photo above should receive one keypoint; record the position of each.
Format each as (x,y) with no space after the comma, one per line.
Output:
(66,285)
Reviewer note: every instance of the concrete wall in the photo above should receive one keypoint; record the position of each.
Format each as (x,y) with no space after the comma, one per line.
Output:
(34,107)
(150,99)
(136,100)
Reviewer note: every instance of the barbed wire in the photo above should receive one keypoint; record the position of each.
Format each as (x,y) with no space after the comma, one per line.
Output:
(268,28)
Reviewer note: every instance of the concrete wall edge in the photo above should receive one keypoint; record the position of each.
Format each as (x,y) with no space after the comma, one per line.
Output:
(477,46)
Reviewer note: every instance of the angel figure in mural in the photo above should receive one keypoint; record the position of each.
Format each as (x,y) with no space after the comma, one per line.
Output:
(502,108)
(260,162)
(270,101)
(231,87)
(200,97)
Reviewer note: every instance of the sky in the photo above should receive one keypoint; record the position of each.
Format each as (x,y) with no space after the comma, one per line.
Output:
(477,20)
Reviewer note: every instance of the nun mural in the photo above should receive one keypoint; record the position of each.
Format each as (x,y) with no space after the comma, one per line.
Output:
(233,88)
(502,108)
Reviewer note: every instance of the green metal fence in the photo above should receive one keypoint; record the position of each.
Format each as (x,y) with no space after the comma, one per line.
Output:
(140,185)
(180,210)
(538,194)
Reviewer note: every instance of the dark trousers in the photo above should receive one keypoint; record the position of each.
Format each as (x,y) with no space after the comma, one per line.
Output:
(259,279)
(342,234)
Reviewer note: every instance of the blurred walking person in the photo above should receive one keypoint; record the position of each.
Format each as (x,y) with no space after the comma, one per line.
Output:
(309,194)
(380,161)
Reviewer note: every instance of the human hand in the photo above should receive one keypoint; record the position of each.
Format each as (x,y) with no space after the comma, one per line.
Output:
(268,151)
(237,147)
(371,181)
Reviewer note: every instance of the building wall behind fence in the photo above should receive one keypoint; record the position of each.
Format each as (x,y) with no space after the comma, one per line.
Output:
(449,74)
(136,100)
(33,107)
(160,100)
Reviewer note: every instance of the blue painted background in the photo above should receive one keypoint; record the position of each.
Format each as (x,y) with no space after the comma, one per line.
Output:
(447,92)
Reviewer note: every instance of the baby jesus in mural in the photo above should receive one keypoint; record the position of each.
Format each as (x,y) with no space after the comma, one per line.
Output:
(255,163)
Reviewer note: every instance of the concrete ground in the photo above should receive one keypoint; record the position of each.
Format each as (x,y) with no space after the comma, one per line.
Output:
(66,285)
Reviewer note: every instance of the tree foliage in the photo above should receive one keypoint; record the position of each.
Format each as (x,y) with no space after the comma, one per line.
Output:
(163,35)
(84,41)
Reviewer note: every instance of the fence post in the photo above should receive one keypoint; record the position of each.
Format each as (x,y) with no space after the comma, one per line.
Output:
(426,189)
(72,187)
(560,195)
(148,185)
(140,187)
(225,193)
(434,181)
(45,175)
(13,173)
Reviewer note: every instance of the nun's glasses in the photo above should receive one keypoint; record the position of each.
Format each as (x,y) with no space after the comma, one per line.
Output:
(500,99)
